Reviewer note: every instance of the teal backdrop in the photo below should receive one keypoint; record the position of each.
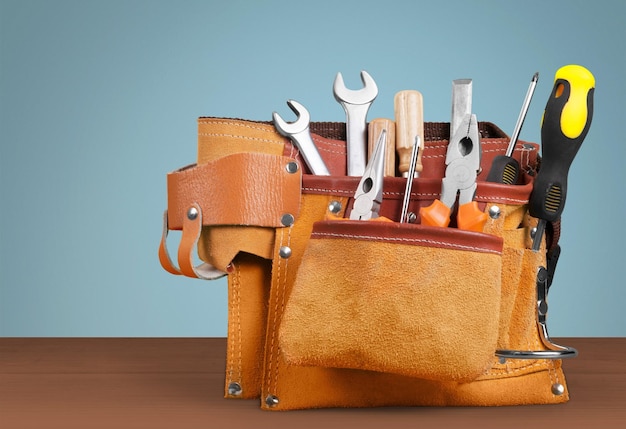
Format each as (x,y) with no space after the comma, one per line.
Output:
(99,101)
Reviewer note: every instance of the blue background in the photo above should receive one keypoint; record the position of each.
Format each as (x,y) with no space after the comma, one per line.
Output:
(99,100)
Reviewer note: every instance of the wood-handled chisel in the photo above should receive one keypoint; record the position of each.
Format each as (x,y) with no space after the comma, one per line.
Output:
(409,117)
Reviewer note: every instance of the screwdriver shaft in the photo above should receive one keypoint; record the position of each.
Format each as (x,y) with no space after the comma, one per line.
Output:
(409,181)
(522,115)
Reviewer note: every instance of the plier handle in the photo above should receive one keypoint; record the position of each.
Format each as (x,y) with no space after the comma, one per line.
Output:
(462,168)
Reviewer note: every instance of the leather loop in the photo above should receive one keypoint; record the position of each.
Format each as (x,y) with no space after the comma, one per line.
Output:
(192,226)
(164,256)
(240,189)
(189,242)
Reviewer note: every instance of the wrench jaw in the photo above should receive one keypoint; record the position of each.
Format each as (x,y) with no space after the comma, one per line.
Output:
(356,104)
(303,118)
(298,132)
(365,95)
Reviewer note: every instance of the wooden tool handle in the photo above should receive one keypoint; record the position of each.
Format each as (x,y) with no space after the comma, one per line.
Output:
(373,131)
(409,113)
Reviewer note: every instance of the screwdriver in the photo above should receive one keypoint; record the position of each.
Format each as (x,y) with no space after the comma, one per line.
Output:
(505,168)
(566,121)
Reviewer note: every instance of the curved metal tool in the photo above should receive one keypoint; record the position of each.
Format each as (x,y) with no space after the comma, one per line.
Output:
(553,350)
(299,133)
(356,103)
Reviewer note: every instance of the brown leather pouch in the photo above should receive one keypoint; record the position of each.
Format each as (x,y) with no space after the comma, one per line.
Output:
(398,298)
(281,244)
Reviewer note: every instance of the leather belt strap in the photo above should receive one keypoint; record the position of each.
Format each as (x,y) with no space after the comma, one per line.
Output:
(241,189)
(248,188)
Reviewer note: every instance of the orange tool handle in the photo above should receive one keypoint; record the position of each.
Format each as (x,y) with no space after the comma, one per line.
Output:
(469,218)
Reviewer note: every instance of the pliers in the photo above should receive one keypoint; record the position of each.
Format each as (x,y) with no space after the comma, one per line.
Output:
(463,165)
(369,194)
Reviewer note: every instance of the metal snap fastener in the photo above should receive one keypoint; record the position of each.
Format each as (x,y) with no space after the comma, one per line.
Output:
(334,207)
(234,389)
(558,389)
(284,252)
(271,400)
(494,212)
(292,167)
(287,219)
(192,213)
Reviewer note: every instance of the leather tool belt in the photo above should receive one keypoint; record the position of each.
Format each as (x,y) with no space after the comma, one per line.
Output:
(328,312)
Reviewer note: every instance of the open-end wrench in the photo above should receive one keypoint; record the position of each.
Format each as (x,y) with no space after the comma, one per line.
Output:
(299,133)
(356,103)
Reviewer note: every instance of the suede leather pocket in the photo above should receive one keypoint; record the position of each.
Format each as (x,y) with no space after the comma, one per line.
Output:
(395,298)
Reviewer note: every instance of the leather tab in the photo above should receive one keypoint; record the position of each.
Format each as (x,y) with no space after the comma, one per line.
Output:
(239,189)
(192,226)
(164,256)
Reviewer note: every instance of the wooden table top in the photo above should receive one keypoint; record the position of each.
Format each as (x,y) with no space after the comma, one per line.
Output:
(178,383)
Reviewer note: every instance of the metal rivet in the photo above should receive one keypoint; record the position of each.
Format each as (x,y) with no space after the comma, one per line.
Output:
(533,232)
(502,360)
(494,212)
(285,252)
(292,167)
(192,213)
(230,268)
(271,400)
(558,389)
(287,219)
(334,207)
(411,217)
(234,389)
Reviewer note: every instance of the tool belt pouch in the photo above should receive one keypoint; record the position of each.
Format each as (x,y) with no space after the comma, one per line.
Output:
(396,298)
(329,312)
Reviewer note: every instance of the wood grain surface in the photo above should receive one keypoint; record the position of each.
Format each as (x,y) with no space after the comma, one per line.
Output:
(178,383)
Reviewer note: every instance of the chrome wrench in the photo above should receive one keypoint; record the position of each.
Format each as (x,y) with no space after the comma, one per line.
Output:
(299,133)
(356,103)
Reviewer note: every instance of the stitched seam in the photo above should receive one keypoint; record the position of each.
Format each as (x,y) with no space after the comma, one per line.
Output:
(406,240)
(231,353)
(500,373)
(551,373)
(239,339)
(282,310)
(554,372)
(329,191)
(256,139)
(337,152)
(413,194)
(234,124)
(437,146)
(329,143)
(350,193)
(501,199)
(273,360)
